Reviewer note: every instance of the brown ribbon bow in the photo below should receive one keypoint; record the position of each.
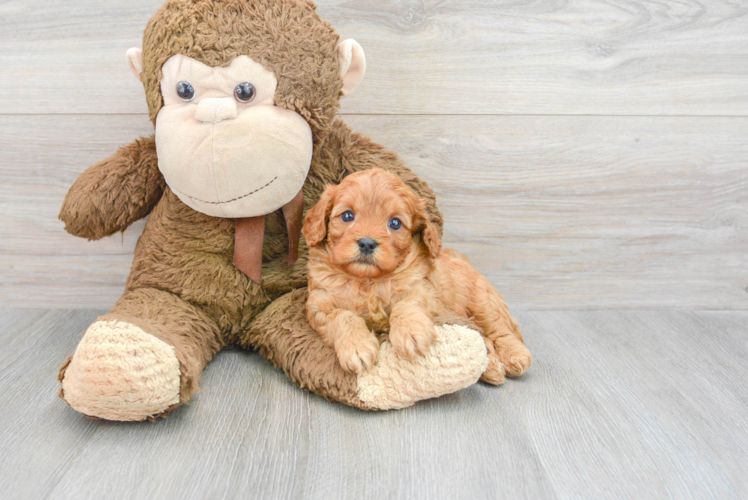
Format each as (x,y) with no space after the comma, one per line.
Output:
(250,236)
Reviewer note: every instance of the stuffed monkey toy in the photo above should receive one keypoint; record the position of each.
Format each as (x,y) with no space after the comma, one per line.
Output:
(243,95)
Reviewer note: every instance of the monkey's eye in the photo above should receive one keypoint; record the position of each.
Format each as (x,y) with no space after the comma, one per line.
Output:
(395,224)
(347,216)
(244,92)
(185,91)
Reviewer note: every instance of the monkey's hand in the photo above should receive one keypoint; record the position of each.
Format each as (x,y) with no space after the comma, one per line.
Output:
(115,192)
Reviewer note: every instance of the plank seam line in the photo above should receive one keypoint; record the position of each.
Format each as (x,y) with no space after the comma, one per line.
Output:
(429,115)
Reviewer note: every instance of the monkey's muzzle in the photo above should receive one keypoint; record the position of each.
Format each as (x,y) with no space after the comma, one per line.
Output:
(237,163)
(246,166)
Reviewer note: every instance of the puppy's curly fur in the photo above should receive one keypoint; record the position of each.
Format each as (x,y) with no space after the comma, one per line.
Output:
(376,265)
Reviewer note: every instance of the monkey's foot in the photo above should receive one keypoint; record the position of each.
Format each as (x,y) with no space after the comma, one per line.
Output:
(120,372)
(456,359)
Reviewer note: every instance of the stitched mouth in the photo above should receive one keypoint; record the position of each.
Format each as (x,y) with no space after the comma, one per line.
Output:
(227,201)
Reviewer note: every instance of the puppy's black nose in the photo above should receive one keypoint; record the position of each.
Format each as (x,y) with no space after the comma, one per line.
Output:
(367,246)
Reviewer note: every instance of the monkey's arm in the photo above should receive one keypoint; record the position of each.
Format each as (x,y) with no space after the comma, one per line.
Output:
(115,192)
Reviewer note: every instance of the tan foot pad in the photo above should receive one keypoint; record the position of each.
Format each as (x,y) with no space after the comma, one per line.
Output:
(456,360)
(120,372)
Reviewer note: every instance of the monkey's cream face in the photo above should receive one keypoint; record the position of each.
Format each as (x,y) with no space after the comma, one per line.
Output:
(223,146)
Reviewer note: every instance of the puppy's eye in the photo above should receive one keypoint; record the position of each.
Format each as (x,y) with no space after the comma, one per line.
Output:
(347,216)
(244,92)
(185,91)
(395,224)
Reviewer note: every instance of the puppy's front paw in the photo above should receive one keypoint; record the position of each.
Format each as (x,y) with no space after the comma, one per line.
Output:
(357,353)
(413,342)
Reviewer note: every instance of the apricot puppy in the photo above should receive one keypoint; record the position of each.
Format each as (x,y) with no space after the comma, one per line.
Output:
(376,265)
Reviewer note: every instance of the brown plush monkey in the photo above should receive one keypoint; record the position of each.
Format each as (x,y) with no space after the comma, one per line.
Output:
(243,95)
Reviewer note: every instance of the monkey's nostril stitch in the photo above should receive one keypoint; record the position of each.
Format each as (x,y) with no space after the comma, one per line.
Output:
(367,245)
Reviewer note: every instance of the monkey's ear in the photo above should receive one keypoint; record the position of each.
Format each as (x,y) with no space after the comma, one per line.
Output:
(135,61)
(315,222)
(352,63)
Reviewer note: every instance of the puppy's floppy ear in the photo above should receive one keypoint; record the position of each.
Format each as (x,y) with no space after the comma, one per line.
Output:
(429,232)
(315,222)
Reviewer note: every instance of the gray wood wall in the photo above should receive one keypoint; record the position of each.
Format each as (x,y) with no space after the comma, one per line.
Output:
(585,153)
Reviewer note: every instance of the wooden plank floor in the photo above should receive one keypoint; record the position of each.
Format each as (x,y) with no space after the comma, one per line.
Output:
(647,404)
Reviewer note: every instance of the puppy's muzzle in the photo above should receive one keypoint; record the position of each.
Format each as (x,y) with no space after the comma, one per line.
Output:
(367,246)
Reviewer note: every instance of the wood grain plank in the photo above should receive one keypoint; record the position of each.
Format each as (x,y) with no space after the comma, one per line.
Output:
(243,436)
(249,432)
(639,57)
(466,445)
(589,212)
(617,404)
(256,435)
(558,212)
(638,405)
(38,439)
